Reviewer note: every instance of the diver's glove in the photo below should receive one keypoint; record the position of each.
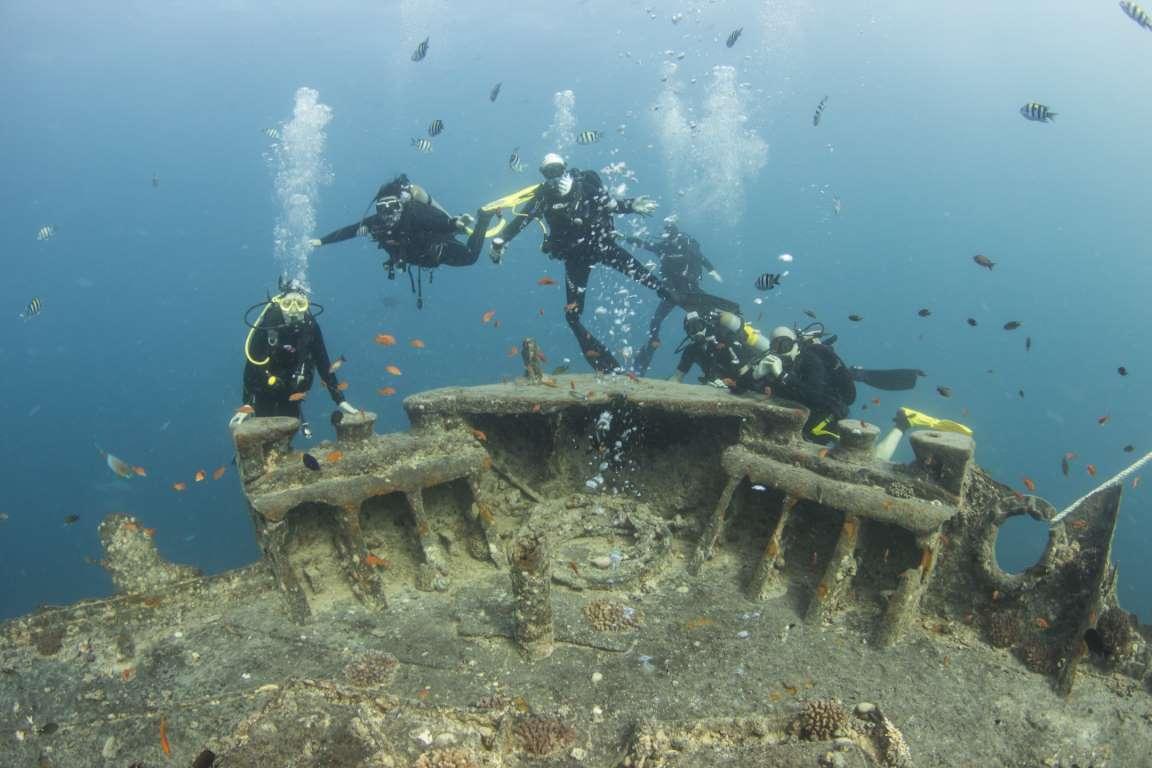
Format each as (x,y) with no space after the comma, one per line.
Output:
(464,222)
(715,276)
(348,409)
(315,242)
(237,420)
(768,367)
(498,248)
(644,205)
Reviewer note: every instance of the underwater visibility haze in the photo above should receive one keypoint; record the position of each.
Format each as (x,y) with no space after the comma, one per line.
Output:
(165,165)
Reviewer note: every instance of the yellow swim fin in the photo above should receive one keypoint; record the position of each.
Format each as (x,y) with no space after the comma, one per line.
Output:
(918,419)
(511,201)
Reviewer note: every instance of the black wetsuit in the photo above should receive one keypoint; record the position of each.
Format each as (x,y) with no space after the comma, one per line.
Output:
(682,264)
(424,237)
(818,379)
(293,353)
(581,234)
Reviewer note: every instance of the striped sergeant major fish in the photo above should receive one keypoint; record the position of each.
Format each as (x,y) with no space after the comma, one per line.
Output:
(422,145)
(47,232)
(819,111)
(436,127)
(1037,112)
(271,133)
(589,137)
(495,92)
(733,37)
(32,309)
(421,50)
(1136,13)
(514,161)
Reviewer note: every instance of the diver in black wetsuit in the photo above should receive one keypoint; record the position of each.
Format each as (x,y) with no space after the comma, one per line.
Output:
(578,212)
(283,350)
(682,264)
(415,230)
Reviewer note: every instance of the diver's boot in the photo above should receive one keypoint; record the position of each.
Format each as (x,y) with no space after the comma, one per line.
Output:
(594,352)
(644,358)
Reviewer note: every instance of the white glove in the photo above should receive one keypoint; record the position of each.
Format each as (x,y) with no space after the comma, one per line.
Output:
(769,367)
(716,276)
(348,409)
(644,205)
(498,248)
(237,420)
(315,243)
(464,222)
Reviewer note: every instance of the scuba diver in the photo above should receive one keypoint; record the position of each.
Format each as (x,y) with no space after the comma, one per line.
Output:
(416,232)
(283,348)
(795,364)
(578,212)
(682,264)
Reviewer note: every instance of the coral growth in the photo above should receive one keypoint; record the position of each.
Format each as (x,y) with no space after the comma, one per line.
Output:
(887,741)
(607,616)
(1115,628)
(1002,629)
(371,669)
(541,736)
(821,720)
(446,758)
(48,639)
(1037,656)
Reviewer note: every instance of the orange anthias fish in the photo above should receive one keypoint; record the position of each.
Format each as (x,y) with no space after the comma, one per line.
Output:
(200,475)
(393,370)
(487,316)
(416,344)
(479,435)
(1030,484)
(246,409)
(385,339)
(513,351)
(334,456)
(296,397)
(1091,470)
(178,487)
(219,473)
(164,745)
(386,391)
(545,281)
(342,386)
(372,561)
(140,471)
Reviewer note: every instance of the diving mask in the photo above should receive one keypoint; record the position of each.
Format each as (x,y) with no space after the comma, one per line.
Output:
(294,305)
(694,326)
(391,208)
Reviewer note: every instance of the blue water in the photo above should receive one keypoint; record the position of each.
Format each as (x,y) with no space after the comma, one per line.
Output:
(138,347)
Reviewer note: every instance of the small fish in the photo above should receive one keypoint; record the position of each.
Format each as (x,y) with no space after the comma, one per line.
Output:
(373,561)
(1121,370)
(416,344)
(386,391)
(514,161)
(120,467)
(296,397)
(837,206)
(32,309)
(334,456)
(3,517)
(342,386)
(1037,112)
(200,476)
(179,487)
(1129,448)
(1030,484)
(1028,344)
(155,181)
(1091,470)
(272,133)
(1064,467)
(983,261)
(1136,13)
(1012,325)
(219,472)
(1041,623)
(337,364)
(46,232)
(944,391)
(768,281)
(392,369)
(855,318)
(48,729)
(589,137)
(924,312)
(246,409)
(487,317)
(164,745)
(1135,482)
(734,36)
(422,145)
(71,519)
(436,127)
(495,92)
(819,112)
(479,435)
(1102,420)
(972,322)
(513,351)
(421,50)
(310,462)
(545,281)
(385,339)
(810,313)
(1020,392)
(560,370)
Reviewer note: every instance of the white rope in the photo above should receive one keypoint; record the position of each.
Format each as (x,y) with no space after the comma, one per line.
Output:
(1114,480)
